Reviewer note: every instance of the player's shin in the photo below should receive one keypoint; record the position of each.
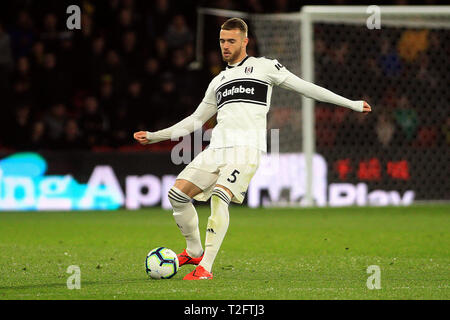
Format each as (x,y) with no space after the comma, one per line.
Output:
(217,226)
(186,219)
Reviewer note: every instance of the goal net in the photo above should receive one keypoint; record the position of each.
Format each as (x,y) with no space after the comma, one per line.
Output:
(395,57)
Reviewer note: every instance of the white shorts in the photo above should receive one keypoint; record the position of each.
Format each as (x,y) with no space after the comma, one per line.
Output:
(231,167)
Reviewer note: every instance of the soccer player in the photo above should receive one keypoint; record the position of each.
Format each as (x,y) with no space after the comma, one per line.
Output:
(240,95)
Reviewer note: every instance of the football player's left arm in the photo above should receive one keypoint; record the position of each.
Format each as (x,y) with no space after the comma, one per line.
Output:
(313,91)
(282,77)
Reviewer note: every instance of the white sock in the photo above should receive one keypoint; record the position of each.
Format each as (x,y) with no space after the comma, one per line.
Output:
(186,218)
(217,226)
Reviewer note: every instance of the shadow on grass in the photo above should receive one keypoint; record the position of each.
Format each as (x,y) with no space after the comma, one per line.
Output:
(64,284)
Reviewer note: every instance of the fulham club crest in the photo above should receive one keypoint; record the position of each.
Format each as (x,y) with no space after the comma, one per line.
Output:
(248,70)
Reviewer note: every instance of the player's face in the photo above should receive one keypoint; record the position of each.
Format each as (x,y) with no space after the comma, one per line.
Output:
(232,44)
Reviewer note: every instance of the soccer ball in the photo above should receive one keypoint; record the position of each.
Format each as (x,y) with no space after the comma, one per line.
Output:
(161,263)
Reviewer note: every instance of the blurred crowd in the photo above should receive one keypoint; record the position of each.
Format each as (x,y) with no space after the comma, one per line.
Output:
(405,79)
(131,67)
(127,69)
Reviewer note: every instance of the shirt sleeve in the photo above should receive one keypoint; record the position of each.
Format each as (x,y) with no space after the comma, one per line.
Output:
(313,91)
(276,72)
(205,110)
(210,96)
(186,126)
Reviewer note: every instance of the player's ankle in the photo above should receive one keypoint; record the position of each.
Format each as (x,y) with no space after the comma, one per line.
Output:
(194,253)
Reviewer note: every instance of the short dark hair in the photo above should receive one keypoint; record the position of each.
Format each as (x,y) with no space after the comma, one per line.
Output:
(235,23)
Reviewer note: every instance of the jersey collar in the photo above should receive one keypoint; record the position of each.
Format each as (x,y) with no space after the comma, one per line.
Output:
(239,64)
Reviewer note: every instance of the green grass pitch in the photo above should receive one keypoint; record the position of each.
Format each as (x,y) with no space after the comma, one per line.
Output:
(272,253)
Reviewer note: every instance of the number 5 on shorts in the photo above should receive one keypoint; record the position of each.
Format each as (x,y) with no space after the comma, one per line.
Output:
(235,172)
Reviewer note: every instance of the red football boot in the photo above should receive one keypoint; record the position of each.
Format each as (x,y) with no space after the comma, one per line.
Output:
(185,258)
(199,273)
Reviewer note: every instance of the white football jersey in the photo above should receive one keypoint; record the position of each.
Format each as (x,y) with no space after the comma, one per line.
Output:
(242,96)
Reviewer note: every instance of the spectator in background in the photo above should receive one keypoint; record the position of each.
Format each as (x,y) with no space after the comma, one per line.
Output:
(427,137)
(158,17)
(189,52)
(38,137)
(37,55)
(412,43)
(178,33)
(18,129)
(114,69)
(50,34)
(340,66)
(406,118)
(22,34)
(125,23)
(326,126)
(67,66)
(93,123)
(22,93)
(54,120)
(430,75)
(214,63)
(121,122)
(162,52)
(322,55)
(389,60)
(72,138)
(23,71)
(130,53)
(185,80)
(96,59)
(87,25)
(49,83)
(136,105)
(366,138)
(125,20)
(385,129)
(151,76)
(83,43)
(22,82)
(165,101)
(107,96)
(178,67)
(6,60)
(122,113)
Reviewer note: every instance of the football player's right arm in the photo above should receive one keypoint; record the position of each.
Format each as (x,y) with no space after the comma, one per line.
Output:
(206,109)
(186,126)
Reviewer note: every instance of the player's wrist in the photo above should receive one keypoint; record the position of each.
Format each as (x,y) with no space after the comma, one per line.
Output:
(358,105)
(154,137)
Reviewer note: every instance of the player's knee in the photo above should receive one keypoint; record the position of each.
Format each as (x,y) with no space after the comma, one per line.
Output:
(177,198)
(221,194)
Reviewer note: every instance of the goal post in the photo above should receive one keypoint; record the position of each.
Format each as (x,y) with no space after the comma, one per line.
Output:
(396,58)
(307,65)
